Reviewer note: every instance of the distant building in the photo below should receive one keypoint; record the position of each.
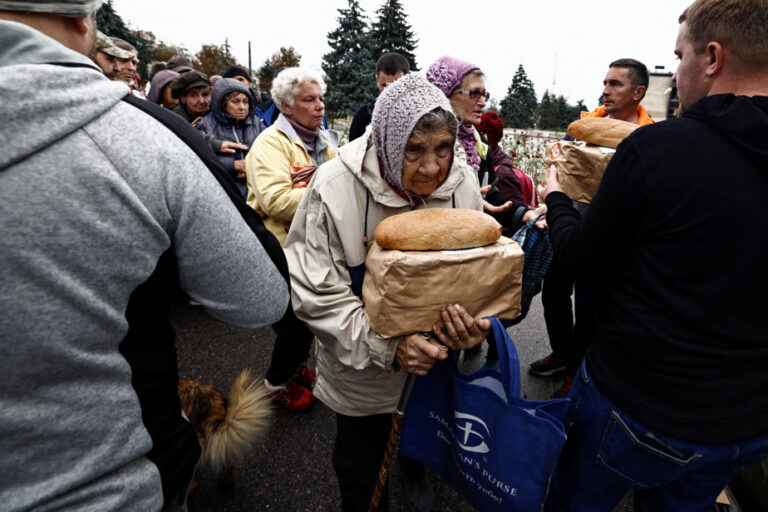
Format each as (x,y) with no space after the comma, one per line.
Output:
(661,99)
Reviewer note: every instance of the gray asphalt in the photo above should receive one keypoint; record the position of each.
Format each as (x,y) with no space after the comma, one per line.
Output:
(291,470)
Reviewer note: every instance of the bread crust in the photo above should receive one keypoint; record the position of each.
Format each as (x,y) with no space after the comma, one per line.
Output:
(437,229)
(601,131)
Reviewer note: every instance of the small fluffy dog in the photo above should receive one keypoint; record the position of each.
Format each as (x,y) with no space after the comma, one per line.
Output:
(227,427)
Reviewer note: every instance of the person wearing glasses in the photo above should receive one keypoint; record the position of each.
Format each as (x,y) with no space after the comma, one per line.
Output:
(464,85)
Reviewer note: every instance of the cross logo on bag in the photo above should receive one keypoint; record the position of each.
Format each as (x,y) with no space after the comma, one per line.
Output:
(472,440)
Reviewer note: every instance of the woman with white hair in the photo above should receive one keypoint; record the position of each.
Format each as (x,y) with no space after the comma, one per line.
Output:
(284,157)
(278,168)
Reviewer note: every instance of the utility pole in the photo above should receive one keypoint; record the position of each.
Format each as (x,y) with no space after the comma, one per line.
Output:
(250,69)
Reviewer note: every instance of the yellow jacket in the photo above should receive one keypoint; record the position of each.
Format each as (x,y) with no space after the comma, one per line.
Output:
(274,154)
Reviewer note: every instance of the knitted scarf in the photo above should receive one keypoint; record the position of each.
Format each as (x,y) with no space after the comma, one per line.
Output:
(469,142)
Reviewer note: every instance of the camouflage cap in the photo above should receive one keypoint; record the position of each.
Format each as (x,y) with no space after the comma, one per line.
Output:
(105,44)
(126,47)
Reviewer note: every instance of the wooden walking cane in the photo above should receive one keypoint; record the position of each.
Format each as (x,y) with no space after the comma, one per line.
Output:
(393,444)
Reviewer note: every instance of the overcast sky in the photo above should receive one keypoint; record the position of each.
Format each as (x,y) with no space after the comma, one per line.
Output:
(564,45)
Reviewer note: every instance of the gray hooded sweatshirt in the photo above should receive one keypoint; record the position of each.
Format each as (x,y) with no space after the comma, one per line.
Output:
(92,193)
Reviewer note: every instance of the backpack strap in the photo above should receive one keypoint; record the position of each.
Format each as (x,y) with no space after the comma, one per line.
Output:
(195,141)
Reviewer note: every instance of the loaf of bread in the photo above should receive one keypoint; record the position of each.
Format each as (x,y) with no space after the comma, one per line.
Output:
(601,131)
(437,229)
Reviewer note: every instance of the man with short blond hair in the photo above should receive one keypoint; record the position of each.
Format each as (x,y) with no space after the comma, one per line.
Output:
(670,400)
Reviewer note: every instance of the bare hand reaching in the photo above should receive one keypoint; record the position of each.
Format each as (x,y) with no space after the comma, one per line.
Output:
(229,147)
(418,353)
(456,329)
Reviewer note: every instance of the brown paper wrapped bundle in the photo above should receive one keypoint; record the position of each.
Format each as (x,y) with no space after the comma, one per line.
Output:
(580,165)
(404,290)
(580,168)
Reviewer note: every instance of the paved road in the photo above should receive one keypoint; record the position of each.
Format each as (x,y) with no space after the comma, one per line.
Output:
(291,469)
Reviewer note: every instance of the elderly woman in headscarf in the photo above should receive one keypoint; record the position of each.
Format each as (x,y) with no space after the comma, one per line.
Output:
(231,126)
(405,161)
(464,85)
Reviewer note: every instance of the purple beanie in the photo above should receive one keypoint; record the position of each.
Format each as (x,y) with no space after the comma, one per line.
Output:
(448,72)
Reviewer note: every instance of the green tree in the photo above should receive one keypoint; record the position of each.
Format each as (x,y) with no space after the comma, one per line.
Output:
(391,32)
(213,59)
(348,66)
(283,58)
(518,108)
(555,113)
(548,117)
(113,25)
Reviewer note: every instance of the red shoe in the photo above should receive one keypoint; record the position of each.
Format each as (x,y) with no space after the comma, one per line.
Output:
(294,397)
(305,376)
(565,389)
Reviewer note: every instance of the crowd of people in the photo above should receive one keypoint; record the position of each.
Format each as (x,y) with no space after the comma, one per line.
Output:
(114,198)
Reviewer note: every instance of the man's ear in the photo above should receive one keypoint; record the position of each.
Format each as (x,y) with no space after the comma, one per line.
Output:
(639,93)
(715,58)
(82,25)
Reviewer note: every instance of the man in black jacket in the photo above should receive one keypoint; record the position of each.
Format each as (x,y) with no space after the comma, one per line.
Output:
(671,398)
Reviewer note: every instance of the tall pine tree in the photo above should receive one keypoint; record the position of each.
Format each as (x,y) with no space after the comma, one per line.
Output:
(391,32)
(349,66)
(518,108)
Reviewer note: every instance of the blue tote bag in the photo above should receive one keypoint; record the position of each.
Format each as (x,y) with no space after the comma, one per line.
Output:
(480,436)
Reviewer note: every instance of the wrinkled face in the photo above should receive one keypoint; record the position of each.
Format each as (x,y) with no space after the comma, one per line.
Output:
(236,105)
(427,161)
(693,83)
(619,93)
(384,79)
(468,101)
(106,63)
(167,98)
(197,100)
(308,106)
(125,69)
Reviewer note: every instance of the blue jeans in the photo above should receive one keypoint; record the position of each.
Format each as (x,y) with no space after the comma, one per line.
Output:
(608,454)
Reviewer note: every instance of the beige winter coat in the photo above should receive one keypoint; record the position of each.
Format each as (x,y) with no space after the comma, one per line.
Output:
(326,246)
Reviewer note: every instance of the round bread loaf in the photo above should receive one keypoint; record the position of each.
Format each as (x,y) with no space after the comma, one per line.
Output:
(601,131)
(437,229)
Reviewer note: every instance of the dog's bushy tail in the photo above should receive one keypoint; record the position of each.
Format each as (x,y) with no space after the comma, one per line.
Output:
(249,410)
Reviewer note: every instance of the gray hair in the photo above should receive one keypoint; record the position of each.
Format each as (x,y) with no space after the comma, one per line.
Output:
(287,82)
(437,121)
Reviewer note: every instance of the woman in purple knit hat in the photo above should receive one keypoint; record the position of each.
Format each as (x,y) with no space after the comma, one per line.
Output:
(464,85)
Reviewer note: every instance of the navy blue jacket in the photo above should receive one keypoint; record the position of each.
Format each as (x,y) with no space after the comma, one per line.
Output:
(218,126)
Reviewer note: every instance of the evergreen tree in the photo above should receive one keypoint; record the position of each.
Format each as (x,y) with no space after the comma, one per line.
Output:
(109,22)
(555,113)
(548,117)
(392,33)
(518,108)
(349,66)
